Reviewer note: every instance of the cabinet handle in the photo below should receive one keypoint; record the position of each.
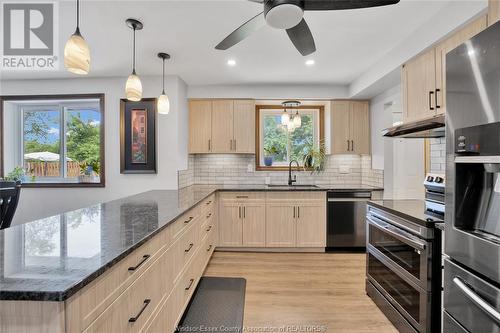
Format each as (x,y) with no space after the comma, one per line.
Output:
(234,144)
(189,248)
(209,248)
(191,281)
(352,145)
(244,212)
(144,258)
(437,104)
(231,144)
(242,197)
(209,228)
(209,215)
(431,93)
(209,145)
(348,146)
(208,202)
(298,212)
(189,220)
(293,211)
(239,212)
(134,319)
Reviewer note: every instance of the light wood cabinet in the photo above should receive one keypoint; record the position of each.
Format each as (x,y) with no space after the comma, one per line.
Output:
(221,126)
(281,226)
(200,126)
(242,220)
(350,127)
(493,12)
(311,225)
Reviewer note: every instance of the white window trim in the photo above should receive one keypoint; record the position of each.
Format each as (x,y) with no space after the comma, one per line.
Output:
(273,112)
(62,107)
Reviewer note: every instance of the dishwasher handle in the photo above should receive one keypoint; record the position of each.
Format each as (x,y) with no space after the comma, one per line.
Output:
(349,196)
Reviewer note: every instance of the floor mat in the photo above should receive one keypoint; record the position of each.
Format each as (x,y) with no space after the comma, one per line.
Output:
(217,306)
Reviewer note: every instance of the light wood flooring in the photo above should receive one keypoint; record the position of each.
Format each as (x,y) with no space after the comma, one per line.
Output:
(303,289)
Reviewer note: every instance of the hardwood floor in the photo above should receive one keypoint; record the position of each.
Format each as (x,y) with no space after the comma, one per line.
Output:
(303,289)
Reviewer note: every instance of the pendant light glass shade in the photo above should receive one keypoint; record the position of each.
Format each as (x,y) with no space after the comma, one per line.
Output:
(163,104)
(297,121)
(133,88)
(76,51)
(285,118)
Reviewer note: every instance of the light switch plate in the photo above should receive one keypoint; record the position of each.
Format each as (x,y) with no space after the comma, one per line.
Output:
(249,167)
(344,169)
(268,180)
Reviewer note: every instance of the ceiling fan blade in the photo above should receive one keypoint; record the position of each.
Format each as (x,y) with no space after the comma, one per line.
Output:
(345,4)
(302,38)
(252,25)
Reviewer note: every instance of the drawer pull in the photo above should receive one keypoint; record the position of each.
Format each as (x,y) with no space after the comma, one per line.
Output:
(209,215)
(242,197)
(477,300)
(144,258)
(134,319)
(188,220)
(208,202)
(191,281)
(209,248)
(189,248)
(209,228)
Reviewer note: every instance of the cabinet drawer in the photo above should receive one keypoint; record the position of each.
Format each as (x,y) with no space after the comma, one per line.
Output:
(131,311)
(208,205)
(207,225)
(241,196)
(184,222)
(183,291)
(86,305)
(296,196)
(184,249)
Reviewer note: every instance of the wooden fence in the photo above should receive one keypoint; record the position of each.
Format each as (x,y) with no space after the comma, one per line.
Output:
(51,169)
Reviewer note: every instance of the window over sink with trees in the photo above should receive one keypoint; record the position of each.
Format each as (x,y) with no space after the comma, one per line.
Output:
(54,140)
(288,134)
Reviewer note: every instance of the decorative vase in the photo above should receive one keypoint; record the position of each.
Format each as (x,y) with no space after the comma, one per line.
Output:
(268,160)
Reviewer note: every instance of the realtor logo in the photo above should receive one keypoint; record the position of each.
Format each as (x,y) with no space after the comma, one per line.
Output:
(29,36)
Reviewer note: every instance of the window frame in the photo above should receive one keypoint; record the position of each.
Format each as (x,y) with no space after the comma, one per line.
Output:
(259,109)
(67,101)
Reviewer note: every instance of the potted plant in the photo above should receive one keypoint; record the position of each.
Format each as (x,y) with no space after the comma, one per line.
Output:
(269,153)
(89,172)
(314,157)
(18,175)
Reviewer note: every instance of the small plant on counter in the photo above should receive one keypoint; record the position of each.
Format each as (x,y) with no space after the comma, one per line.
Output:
(314,157)
(89,172)
(269,153)
(18,175)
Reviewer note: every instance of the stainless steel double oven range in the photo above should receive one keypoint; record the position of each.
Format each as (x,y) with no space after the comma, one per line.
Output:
(472,270)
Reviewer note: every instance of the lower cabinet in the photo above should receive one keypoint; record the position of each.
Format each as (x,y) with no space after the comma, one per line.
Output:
(281,229)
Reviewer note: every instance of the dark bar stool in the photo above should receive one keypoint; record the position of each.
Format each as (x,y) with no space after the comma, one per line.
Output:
(9,197)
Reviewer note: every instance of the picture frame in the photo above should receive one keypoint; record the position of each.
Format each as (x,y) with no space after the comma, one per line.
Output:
(138,136)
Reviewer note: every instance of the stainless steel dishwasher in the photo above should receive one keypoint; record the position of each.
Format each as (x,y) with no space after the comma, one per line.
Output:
(346,229)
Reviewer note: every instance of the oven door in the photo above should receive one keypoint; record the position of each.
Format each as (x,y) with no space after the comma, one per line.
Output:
(411,301)
(408,254)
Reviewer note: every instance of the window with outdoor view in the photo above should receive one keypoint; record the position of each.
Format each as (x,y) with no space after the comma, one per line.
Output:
(290,139)
(59,141)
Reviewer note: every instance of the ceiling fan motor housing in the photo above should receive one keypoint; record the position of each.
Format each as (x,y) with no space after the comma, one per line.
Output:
(283,14)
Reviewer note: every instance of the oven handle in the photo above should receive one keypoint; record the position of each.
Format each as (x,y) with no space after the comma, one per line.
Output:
(476,299)
(401,235)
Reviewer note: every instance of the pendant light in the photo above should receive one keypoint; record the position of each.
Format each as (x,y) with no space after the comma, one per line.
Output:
(297,121)
(76,51)
(285,118)
(163,101)
(133,87)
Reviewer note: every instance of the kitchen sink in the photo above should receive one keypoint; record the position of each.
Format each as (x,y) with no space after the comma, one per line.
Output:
(303,186)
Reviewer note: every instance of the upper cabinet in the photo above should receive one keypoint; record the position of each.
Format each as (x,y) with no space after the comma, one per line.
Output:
(350,127)
(494,12)
(423,78)
(221,126)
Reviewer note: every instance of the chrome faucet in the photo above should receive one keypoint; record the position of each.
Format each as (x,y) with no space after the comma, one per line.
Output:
(290,179)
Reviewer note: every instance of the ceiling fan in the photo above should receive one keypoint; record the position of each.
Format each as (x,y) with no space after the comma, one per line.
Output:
(288,15)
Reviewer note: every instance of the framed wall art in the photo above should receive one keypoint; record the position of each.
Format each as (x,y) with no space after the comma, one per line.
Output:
(138,136)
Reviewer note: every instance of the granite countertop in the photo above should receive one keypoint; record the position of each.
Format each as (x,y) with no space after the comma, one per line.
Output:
(52,258)
(412,210)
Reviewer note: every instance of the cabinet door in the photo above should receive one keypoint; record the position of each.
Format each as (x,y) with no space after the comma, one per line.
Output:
(446,46)
(493,12)
(341,126)
(230,223)
(222,126)
(360,127)
(419,84)
(280,224)
(311,224)
(200,126)
(244,126)
(254,224)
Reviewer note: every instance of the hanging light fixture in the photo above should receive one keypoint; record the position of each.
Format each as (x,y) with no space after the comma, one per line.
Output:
(76,50)
(285,118)
(133,87)
(163,101)
(297,121)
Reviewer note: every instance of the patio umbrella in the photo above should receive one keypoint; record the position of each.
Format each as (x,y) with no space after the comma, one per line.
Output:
(44,156)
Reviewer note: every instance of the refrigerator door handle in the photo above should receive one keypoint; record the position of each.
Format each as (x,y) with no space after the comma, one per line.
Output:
(477,300)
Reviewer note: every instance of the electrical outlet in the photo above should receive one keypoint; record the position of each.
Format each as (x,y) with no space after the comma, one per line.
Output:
(268,180)
(344,169)
(249,167)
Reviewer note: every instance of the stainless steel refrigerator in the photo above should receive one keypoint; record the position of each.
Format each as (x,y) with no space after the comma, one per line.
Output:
(472,232)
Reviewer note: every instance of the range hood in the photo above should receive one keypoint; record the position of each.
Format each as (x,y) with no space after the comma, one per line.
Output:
(427,128)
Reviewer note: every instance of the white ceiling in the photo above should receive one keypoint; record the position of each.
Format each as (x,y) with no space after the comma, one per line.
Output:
(348,42)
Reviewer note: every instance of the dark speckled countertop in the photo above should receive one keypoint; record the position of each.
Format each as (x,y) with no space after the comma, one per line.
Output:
(52,258)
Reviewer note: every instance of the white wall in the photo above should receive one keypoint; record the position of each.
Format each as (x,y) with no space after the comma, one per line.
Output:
(171,144)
